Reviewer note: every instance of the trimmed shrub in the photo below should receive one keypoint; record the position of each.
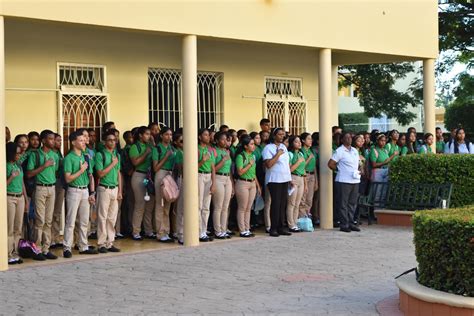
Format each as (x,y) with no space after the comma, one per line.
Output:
(444,248)
(455,169)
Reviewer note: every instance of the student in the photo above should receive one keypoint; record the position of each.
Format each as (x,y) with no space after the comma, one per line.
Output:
(128,198)
(80,195)
(141,158)
(22,142)
(311,176)
(277,176)
(92,139)
(224,187)
(224,128)
(34,140)
(264,137)
(16,201)
(411,146)
(392,146)
(346,161)
(439,141)
(163,157)
(265,125)
(402,144)
(426,147)
(60,189)
(451,140)
(460,145)
(109,192)
(178,169)
(257,219)
(206,181)
(380,159)
(234,142)
(43,167)
(155,132)
(246,186)
(107,126)
(298,182)
(336,130)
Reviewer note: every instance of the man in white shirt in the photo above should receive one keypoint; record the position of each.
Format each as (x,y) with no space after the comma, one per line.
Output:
(346,161)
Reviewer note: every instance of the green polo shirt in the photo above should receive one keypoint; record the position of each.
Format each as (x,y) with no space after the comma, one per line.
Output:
(294,156)
(311,165)
(100,146)
(72,164)
(425,149)
(207,166)
(221,153)
(257,153)
(48,175)
(391,149)
(233,150)
(136,150)
(242,160)
(378,155)
(159,153)
(16,186)
(179,157)
(102,160)
(440,147)
(24,157)
(404,151)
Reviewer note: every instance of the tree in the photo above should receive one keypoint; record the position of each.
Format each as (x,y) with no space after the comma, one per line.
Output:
(461,112)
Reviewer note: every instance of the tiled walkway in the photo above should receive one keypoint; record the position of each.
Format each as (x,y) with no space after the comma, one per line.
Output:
(321,273)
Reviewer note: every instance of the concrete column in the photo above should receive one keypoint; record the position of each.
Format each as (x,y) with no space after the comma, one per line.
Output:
(190,138)
(325,137)
(3,176)
(429,97)
(335,94)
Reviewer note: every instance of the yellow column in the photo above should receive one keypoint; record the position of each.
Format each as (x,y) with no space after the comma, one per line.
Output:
(190,138)
(3,176)
(335,93)
(429,97)
(325,137)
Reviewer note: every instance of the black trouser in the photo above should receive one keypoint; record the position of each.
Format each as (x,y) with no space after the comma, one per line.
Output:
(279,195)
(347,195)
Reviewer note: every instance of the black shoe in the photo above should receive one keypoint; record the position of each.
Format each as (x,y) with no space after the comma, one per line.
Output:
(267,230)
(151,236)
(204,239)
(245,235)
(55,246)
(137,238)
(19,261)
(345,229)
(113,249)
(231,233)
(93,236)
(274,233)
(50,256)
(221,237)
(295,230)
(102,250)
(166,241)
(180,242)
(39,257)
(12,262)
(337,224)
(89,251)
(67,254)
(284,233)
(354,228)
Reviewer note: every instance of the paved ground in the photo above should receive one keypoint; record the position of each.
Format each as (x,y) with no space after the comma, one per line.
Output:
(326,272)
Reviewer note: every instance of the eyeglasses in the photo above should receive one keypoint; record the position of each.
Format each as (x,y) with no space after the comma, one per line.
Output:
(110,139)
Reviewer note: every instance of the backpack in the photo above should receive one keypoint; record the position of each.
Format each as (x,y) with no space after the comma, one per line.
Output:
(27,249)
(30,183)
(169,189)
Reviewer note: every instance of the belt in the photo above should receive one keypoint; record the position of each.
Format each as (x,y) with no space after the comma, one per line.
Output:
(302,176)
(78,187)
(309,172)
(45,185)
(246,180)
(223,174)
(139,171)
(15,195)
(108,186)
(166,169)
(204,172)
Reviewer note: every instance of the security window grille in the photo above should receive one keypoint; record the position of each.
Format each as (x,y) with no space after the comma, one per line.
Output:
(164,98)
(78,76)
(284,104)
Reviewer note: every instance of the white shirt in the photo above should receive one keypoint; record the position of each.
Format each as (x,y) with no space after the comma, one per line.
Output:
(280,172)
(463,149)
(347,164)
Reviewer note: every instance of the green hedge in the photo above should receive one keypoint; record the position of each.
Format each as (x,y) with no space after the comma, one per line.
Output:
(444,248)
(455,169)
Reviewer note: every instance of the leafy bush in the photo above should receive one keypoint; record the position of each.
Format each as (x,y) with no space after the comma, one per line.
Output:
(455,169)
(355,122)
(444,248)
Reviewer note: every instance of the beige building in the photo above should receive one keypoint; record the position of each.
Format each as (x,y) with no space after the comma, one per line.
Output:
(65,64)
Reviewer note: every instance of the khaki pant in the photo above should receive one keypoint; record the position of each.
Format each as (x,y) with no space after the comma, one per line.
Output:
(107,210)
(118,222)
(221,200)
(294,200)
(162,207)
(44,203)
(307,200)
(58,213)
(142,211)
(77,206)
(245,193)
(266,210)
(15,210)
(204,188)
(180,210)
